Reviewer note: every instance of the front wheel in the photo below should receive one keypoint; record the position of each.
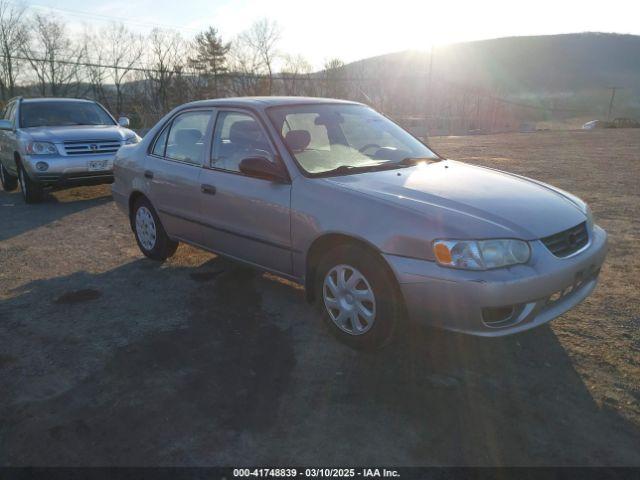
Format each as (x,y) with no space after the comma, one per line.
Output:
(150,235)
(9,182)
(359,297)
(32,192)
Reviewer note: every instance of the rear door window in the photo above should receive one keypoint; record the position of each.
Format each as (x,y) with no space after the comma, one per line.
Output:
(186,137)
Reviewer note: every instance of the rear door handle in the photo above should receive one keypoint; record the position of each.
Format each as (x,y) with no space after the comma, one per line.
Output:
(208,189)
(148,173)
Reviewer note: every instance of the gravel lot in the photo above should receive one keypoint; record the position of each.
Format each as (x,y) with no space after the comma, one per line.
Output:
(108,358)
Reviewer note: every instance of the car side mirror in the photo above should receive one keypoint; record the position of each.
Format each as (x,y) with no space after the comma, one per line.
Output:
(124,122)
(262,167)
(6,125)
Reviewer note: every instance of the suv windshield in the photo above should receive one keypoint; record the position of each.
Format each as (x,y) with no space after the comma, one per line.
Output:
(49,114)
(334,138)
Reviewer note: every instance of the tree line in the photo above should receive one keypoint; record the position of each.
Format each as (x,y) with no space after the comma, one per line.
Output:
(143,76)
(146,75)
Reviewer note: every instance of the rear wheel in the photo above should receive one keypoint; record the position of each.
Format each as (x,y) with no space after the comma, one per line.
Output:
(358,297)
(151,237)
(32,192)
(9,182)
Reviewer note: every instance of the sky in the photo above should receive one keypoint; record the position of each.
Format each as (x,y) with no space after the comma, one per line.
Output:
(355,29)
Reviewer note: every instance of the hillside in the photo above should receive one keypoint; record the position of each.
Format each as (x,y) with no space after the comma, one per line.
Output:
(535,64)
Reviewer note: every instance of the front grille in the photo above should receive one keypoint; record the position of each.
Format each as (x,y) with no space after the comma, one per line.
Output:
(569,241)
(91,147)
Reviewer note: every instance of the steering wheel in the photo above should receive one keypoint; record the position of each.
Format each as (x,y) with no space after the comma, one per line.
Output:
(368,146)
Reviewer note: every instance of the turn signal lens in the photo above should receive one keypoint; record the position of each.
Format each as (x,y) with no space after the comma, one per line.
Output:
(481,254)
(443,254)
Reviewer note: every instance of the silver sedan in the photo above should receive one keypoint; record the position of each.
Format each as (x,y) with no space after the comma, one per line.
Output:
(377,227)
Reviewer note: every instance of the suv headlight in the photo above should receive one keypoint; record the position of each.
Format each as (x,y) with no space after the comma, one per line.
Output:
(41,148)
(132,140)
(481,254)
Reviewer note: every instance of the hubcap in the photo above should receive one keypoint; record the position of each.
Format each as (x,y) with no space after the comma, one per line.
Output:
(145,228)
(349,299)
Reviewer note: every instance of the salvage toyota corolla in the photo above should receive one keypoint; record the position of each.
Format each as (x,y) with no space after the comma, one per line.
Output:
(374,224)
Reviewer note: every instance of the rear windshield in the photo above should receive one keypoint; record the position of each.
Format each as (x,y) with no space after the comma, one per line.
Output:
(49,114)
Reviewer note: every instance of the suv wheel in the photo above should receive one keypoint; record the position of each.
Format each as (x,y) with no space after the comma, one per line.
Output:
(358,297)
(151,237)
(9,182)
(31,191)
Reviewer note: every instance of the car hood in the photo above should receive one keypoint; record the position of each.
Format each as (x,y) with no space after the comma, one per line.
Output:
(78,132)
(515,206)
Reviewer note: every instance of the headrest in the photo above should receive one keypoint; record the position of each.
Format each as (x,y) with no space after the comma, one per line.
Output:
(297,140)
(244,131)
(188,136)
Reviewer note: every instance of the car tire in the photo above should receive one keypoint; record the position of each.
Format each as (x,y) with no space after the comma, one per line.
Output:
(32,192)
(365,311)
(9,182)
(151,237)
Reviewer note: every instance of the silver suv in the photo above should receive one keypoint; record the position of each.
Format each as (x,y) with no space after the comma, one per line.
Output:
(373,223)
(58,142)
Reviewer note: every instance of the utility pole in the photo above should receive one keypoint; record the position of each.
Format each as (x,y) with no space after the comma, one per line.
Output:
(613,95)
(428,107)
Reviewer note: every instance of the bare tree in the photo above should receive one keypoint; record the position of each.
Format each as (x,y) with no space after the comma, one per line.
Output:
(53,56)
(246,67)
(123,50)
(334,85)
(295,75)
(165,52)
(13,34)
(262,38)
(95,70)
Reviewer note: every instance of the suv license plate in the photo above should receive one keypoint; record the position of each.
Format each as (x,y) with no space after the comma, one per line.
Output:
(97,165)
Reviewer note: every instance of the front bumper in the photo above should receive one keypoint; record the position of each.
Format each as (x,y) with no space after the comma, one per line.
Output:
(529,295)
(65,171)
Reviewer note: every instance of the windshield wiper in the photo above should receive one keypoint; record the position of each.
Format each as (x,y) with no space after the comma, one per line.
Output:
(411,161)
(346,169)
(386,165)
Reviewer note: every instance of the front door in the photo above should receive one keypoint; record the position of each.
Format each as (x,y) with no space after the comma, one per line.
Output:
(8,141)
(247,218)
(173,170)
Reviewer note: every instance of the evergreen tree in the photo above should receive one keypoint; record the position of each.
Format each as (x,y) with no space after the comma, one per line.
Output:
(211,57)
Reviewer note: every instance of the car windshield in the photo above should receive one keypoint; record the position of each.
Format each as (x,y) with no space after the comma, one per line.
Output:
(339,139)
(50,114)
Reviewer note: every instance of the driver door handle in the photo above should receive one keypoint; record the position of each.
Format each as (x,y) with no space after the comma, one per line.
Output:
(208,189)
(148,174)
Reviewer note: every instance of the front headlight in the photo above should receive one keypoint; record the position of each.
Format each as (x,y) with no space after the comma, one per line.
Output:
(41,148)
(132,140)
(481,254)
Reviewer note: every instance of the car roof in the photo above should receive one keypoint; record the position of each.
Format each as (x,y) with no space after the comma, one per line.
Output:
(264,102)
(55,99)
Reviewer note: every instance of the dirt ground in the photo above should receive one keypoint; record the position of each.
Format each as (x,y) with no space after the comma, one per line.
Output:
(107,358)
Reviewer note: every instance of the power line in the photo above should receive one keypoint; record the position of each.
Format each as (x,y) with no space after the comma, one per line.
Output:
(110,18)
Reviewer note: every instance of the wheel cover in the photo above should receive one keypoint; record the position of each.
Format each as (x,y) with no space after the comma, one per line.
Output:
(145,228)
(349,299)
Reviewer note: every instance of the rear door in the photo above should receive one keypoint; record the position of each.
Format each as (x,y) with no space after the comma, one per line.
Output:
(173,168)
(247,218)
